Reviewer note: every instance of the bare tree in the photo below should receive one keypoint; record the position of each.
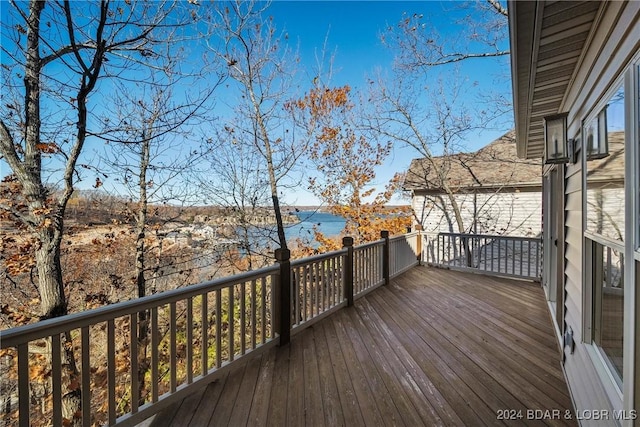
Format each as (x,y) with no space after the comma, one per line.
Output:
(419,44)
(46,117)
(262,68)
(436,129)
(53,57)
(234,179)
(149,131)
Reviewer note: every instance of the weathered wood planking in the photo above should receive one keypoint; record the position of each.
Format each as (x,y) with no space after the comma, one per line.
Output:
(436,347)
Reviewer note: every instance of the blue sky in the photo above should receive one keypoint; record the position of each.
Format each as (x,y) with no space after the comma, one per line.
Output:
(353,30)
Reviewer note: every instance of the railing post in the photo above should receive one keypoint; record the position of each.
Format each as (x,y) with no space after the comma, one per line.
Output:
(347,243)
(384,234)
(283,297)
(418,228)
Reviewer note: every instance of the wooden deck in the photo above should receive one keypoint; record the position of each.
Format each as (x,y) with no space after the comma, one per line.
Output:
(435,347)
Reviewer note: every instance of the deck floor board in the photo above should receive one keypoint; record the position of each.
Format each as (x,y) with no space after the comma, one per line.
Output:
(435,347)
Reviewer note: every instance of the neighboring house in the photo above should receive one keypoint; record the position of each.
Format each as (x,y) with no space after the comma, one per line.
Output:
(495,192)
(580,62)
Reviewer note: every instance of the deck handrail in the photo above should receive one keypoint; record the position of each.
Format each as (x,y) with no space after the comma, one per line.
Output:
(214,324)
(14,336)
(510,256)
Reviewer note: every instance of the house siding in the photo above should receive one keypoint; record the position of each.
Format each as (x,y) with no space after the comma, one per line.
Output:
(614,43)
(515,213)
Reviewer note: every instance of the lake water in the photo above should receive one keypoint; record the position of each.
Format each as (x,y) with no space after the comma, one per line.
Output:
(328,224)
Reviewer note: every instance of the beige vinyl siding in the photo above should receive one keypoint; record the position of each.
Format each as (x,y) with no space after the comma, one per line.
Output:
(508,213)
(612,46)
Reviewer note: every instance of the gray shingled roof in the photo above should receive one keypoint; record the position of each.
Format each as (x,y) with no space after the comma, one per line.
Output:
(493,166)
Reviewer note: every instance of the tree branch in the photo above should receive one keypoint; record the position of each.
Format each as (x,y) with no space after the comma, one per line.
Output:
(457,57)
(8,149)
(495,4)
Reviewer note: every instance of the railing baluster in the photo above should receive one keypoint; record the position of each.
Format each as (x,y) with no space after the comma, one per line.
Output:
(231,323)
(173,333)
(111,371)
(376,264)
(295,295)
(521,256)
(305,283)
(218,328)
(330,276)
(204,348)
(293,292)
(133,347)
(513,258)
(23,384)
(253,314)
(56,379)
(316,290)
(86,377)
(537,270)
(362,284)
(320,273)
(492,253)
(609,268)
(263,308)
(366,267)
(243,335)
(155,360)
(529,258)
(189,339)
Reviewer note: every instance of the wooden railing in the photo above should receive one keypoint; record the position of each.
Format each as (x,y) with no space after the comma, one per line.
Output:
(139,356)
(402,252)
(511,256)
(317,288)
(193,332)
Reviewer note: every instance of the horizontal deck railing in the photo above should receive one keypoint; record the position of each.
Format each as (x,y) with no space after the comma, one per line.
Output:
(136,357)
(317,287)
(190,332)
(403,250)
(511,256)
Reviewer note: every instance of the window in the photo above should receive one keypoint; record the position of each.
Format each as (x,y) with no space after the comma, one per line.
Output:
(636,183)
(605,176)
(608,284)
(604,154)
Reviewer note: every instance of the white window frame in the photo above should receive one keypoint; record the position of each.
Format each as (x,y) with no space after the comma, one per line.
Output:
(620,395)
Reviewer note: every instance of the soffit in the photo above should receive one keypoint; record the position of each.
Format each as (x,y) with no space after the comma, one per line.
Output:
(547,42)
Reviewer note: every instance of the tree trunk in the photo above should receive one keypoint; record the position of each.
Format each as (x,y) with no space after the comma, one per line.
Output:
(141,225)
(458,215)
(52,297)
(273,182)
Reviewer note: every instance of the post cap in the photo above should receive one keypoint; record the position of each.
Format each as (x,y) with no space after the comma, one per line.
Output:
(347,241)
(384,234)
(283,254)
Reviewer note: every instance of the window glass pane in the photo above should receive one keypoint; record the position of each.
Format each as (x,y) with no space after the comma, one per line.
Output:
(605,176)
(609,287)
(637,168)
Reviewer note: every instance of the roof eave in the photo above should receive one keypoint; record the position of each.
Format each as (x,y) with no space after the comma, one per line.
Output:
(521,40)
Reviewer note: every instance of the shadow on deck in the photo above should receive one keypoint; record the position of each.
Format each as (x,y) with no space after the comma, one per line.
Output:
(435,347)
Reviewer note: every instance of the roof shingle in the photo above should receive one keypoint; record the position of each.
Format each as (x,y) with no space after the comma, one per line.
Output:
(495,165)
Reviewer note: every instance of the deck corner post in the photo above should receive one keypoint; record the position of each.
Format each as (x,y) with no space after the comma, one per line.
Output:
(347,243)
(384,234)
(283,296)
(418,229)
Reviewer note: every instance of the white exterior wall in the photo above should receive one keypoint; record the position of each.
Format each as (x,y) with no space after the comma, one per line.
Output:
(612,47)
(508,213)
